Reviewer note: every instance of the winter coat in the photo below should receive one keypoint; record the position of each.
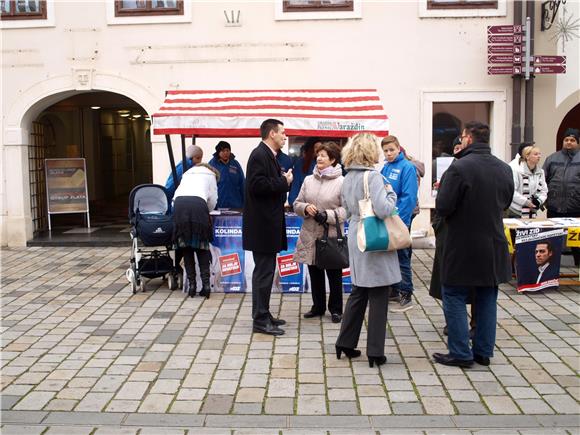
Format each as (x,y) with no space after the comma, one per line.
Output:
(402,175)
(369,269)
(562,171)
(199,181)
(473,194)
(536,183)
(231,184)
(323,191)
(299,176)
(263,221)
(169,184)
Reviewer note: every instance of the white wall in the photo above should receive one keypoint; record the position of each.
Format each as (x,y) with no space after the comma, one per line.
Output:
(390,48)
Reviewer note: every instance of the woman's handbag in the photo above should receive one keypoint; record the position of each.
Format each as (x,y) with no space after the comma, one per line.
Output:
(332,252)
(374,234)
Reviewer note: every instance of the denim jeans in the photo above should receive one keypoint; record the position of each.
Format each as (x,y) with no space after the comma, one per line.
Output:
(406,284)
(454,306)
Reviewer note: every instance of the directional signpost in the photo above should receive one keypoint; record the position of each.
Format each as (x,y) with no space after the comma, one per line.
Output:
(506,56)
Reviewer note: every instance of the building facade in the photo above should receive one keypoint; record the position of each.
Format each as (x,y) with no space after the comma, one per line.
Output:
(80,79)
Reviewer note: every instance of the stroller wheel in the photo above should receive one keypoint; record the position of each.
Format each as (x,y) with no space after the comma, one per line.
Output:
(172,281)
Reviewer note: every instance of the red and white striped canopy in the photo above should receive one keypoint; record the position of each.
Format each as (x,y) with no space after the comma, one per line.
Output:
(305,112)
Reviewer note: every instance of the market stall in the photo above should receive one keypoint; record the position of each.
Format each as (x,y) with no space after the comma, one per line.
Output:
(333,113)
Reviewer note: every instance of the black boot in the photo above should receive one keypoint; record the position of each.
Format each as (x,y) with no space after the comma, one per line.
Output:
(192,286)
(204,259)
(189,261)
(205,286)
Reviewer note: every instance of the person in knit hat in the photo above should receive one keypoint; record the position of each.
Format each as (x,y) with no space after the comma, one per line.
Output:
(562,170)
(231,181)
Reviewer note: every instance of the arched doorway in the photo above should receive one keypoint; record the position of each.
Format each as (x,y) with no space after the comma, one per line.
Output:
(571,120)
(111,132)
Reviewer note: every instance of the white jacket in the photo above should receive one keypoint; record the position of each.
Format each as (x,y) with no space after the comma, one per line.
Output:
(199,181)
(537,185)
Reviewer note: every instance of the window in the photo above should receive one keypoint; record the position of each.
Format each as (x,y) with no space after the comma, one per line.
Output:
(125,8)
(23,9)
(317,5)
(461,4)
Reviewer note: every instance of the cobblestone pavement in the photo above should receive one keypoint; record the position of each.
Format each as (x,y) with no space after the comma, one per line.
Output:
(82,354)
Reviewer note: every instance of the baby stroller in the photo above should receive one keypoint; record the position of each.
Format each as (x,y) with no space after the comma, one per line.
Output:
(152,226)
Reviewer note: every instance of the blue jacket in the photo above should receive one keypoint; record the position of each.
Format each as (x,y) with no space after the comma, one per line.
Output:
(402,175)
(284,160)
(299,177)
(230,184)
(169,185)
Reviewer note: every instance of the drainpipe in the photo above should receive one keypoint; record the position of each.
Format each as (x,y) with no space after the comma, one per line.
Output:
(516,93)
(529,107)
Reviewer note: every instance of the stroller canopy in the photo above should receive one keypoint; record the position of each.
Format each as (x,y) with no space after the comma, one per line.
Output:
(149,199)
(229,113)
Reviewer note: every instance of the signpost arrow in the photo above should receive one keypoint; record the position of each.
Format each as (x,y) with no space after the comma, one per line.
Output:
(504,49)
(499,58)
(504,39)
(549,69)
(549,59)
(502,30)
(504,69)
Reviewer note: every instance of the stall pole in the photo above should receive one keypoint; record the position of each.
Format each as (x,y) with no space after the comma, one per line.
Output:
(183,156)
(171,160)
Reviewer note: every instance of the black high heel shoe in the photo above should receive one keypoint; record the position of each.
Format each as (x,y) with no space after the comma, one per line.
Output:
(350,353)
(380,360)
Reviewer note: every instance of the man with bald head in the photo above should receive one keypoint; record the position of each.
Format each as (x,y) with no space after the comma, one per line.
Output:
(194,155)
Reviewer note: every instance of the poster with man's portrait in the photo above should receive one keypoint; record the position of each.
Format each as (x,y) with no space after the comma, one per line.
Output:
(538,252)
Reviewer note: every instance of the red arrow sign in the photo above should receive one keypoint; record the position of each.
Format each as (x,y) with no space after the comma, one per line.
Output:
(549,69)
(549,59)
(504,49)
(499,58)
(494,70)
(504,39)
(502,30)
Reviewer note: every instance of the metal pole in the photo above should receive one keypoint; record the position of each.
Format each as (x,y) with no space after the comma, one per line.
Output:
(171,160)
(516,93)
(183,157)
(529,107)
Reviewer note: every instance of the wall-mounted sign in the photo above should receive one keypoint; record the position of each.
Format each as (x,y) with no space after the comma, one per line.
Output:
(66,187)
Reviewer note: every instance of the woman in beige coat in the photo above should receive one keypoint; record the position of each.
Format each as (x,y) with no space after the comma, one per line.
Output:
(317,202)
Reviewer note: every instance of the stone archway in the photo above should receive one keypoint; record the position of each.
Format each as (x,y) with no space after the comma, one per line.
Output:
(16,225)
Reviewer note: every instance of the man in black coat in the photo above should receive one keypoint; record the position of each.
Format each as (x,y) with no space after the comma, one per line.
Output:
(264,225)
(474,192)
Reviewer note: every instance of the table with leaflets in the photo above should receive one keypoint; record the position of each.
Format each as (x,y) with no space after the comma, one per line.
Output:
(537,245)
(232,267)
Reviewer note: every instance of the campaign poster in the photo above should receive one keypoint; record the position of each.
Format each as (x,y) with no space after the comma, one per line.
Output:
(228,256)
(538,252)
(290,273)
(66,186)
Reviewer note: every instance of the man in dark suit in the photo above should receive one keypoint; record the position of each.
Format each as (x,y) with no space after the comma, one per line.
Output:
(264,225)
(473,194)
(543,254)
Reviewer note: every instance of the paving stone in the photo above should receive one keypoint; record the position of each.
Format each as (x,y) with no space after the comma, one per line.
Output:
(408,408)
(217,404)
(279,405)
(34,401)
(311,405)
(343,408)
(9,401)
(438,405)
(156,403)
(374,406)
(23,429)
(501,405)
